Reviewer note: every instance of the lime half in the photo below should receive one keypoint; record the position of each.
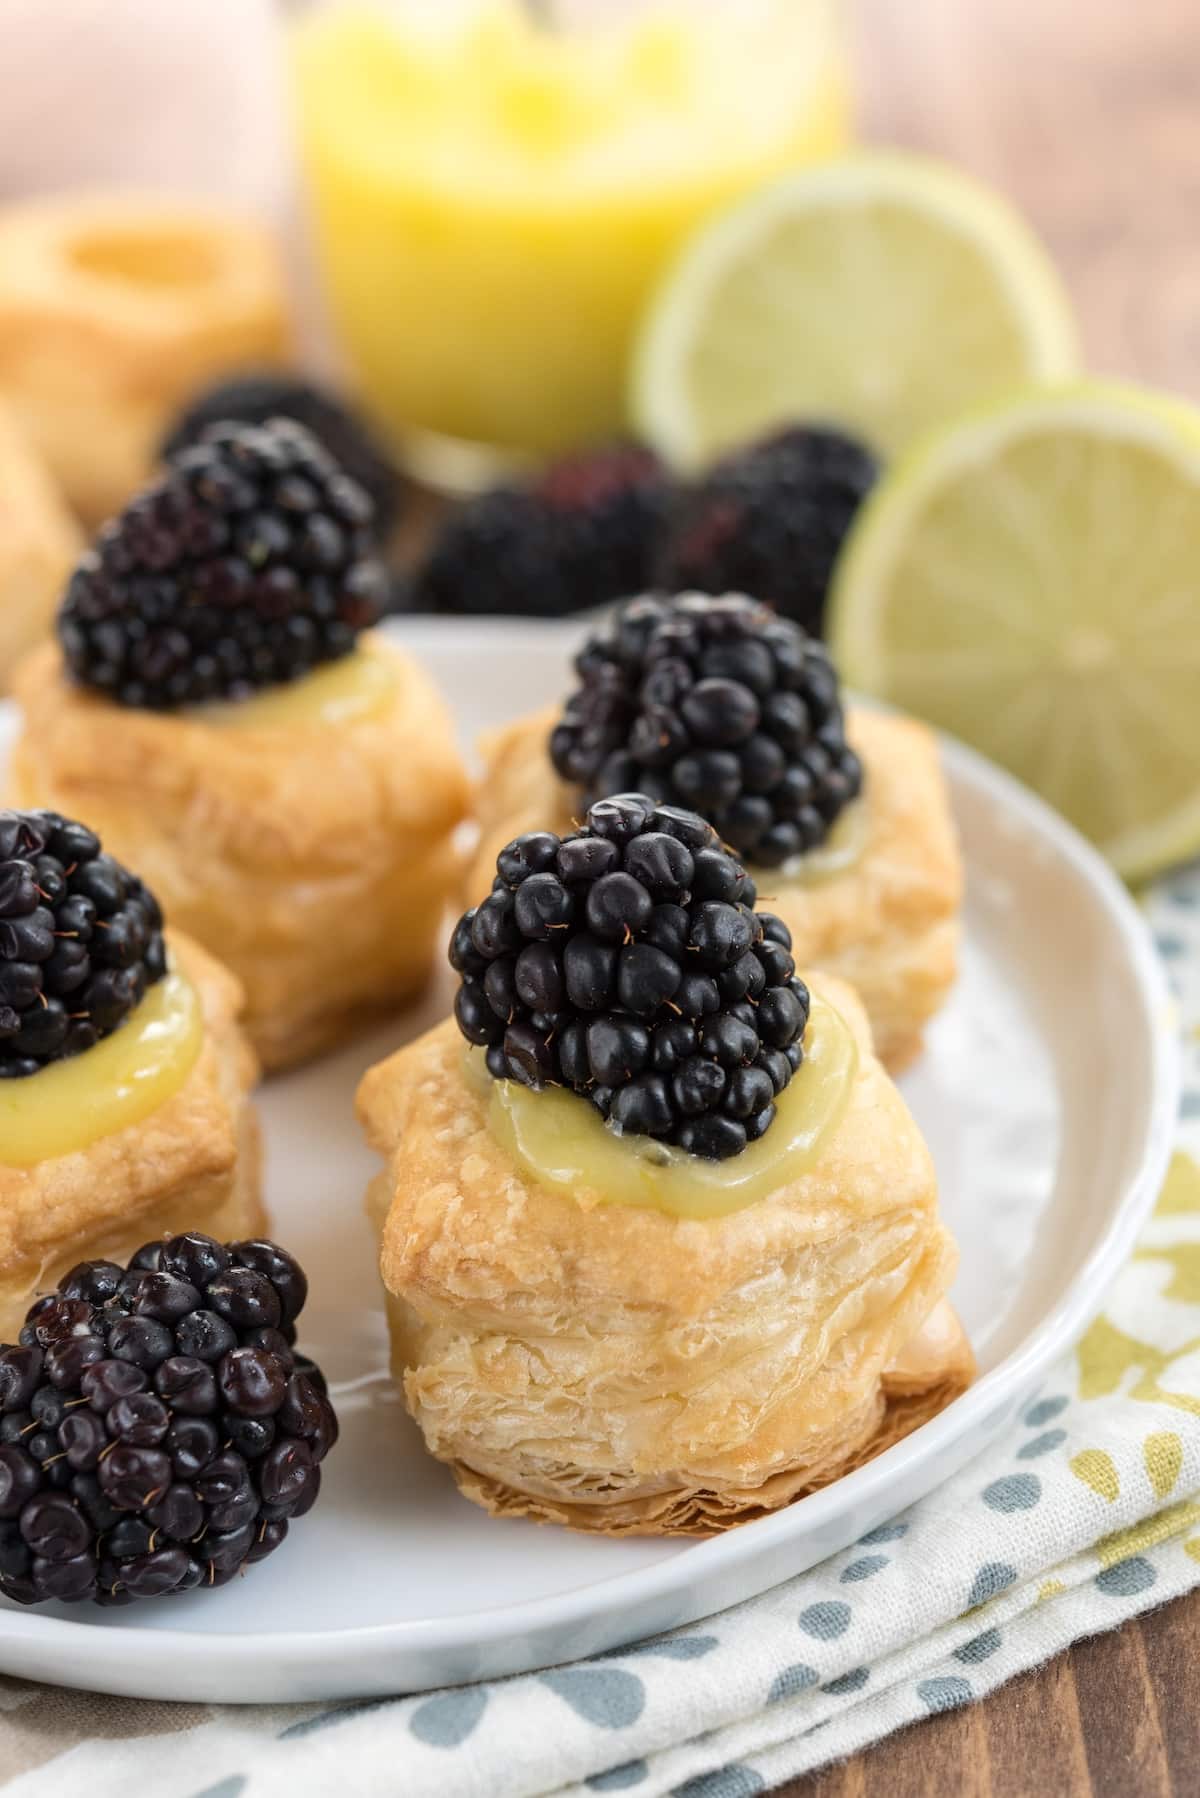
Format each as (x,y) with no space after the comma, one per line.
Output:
(881,293)
(1030,580)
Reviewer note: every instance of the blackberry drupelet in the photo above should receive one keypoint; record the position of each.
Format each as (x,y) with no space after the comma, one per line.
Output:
(769,520)
(248,563)
(158,1430)
(80,941)
(581,534)
(256,397)
(626,961)
(719,705)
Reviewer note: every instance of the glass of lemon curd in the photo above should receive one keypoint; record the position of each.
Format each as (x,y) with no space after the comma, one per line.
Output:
(496,185)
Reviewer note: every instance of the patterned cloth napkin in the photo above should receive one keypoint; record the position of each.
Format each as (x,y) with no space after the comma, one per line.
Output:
(1088,1512)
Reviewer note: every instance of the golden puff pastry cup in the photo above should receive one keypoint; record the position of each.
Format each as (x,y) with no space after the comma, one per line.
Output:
(880,909)
(39,545)
(619,1369)
(312,851)
(191,1163)
(114,310)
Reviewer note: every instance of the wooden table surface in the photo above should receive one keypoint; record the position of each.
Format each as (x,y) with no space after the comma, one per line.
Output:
(1086,113)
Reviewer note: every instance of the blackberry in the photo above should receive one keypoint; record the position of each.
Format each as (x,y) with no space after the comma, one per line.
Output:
(248,563)
(718,705)
(769,520)
(80,941)
(626,961)
(144,1448)
(256,397)
(581,534)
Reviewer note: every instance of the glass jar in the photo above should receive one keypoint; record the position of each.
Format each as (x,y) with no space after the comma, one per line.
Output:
(496,187)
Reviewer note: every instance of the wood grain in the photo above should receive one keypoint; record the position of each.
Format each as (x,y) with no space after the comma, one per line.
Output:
(1087,114)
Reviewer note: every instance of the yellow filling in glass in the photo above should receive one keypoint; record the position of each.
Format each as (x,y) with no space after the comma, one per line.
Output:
(561,1140)
(357,686)
(121,1080)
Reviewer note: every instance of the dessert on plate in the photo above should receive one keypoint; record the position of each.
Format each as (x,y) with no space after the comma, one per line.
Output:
(39,545)
(124,1074)
(721,705)
(114,309)
(661,1241)
(286,779)
(158,1430)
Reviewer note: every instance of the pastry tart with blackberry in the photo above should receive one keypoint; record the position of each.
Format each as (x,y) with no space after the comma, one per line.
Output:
(720,705)
(124,1073)
(285,777)
(661,1241)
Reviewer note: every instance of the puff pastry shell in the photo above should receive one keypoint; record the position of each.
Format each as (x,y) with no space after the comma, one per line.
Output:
(194,1164)
(114,310)
(39,545)
(619,1369)
(313,858)
(888,923)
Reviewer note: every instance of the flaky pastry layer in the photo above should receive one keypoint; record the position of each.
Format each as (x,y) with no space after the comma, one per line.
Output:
(888,924)
(622,1370)
(192,1164)
(314,859)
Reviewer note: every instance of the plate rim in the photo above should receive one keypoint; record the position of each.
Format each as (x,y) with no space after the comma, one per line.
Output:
(591,1601)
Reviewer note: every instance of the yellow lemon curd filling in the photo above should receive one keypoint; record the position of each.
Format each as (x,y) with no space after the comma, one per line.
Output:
(358,686)
(119,1081)
(557,1137)
(493,202)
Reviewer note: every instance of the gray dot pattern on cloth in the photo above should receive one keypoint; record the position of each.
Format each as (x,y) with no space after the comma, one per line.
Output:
(863,1568)
(448,1718)
(726,1782)
(826,1620)
(618,1779)
(791,1681)
(993,1578)
(1014,1492)
(854,1681)
(979,1648)
(944,1693)
(1127,1578)
(606,1696)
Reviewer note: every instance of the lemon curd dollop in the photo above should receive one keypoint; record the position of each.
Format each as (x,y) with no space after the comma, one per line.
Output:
(561,1140)
(356,687)
(71,1104)
(842,849)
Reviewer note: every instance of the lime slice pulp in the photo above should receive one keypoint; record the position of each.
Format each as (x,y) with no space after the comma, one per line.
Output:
(1029,579)
(881,293)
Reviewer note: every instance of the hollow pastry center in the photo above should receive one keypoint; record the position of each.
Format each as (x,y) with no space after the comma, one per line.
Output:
(561,1140)
(162,258)
(358,686)
(119,1081)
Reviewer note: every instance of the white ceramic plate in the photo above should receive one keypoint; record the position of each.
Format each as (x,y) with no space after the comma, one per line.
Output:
(1048,1095)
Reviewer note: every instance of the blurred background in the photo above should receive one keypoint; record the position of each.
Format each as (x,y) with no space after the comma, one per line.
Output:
(495,233)
(1084,115)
